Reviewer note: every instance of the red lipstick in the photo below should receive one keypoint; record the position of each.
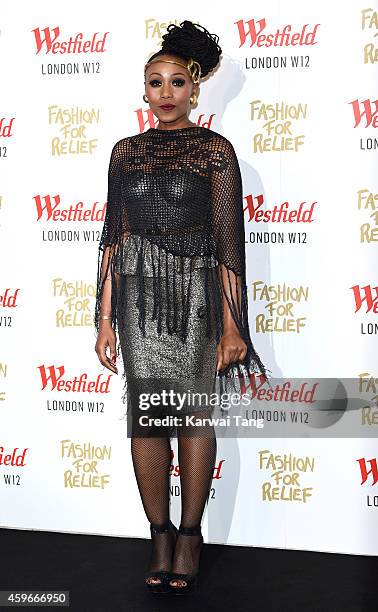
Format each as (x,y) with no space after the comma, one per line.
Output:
(167,107)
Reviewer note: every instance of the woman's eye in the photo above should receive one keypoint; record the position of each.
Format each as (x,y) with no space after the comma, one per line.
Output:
(156,82)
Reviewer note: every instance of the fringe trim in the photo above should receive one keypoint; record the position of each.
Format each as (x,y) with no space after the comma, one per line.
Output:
(177,287)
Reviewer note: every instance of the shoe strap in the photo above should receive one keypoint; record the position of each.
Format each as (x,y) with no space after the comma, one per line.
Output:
(190,530)
(154,528)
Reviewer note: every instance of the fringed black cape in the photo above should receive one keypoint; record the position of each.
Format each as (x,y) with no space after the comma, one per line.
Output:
(180,192)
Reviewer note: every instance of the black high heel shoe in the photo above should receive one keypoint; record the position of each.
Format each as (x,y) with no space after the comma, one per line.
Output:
(191,580)
(162,575)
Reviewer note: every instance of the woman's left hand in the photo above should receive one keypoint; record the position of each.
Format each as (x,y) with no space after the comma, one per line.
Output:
(231,347)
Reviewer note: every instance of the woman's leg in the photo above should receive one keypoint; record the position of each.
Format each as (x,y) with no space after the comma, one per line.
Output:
(151,459)
(197,454)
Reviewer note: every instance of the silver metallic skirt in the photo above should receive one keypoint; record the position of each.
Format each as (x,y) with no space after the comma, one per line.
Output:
(166,378)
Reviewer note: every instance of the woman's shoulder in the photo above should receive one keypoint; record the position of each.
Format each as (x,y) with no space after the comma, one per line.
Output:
(220,148)
(120,147)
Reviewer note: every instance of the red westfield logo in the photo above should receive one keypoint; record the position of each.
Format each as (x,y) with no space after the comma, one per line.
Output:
(49,39)
(256,33)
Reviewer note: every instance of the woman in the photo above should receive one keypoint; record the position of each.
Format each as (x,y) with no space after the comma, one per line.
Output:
(171,281)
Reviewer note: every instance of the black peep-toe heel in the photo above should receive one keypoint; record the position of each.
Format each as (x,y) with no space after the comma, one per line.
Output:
(190,579)
(162,575)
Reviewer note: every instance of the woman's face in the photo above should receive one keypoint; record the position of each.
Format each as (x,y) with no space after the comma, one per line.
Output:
(169,84)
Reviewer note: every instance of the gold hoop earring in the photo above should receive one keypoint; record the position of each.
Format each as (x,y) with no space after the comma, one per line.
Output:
(193,99)
(145,98)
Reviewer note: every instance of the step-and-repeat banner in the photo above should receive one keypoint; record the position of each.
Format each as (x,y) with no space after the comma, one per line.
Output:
(296,94)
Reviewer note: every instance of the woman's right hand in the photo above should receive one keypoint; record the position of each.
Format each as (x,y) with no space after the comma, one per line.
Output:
(106,338)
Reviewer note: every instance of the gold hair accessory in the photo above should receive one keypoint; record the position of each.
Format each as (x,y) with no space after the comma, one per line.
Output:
(192,66)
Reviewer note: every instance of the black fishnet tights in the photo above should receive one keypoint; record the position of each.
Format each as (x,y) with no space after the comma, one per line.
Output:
(151,459)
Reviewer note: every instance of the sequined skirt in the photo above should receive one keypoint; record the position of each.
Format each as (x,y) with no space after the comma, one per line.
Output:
(166,378)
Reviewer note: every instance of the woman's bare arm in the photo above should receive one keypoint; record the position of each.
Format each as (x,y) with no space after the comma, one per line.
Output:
(107,290)
(106,335)
(231,346)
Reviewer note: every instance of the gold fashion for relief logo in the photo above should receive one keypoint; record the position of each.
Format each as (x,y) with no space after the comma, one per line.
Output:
(278,127)
(76,297)
(369,22)
(86,464)
(280,306)
(368,202)
(74,126)
(368,385)
(286,471)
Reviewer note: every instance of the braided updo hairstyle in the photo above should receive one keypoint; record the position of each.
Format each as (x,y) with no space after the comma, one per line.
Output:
(191,40)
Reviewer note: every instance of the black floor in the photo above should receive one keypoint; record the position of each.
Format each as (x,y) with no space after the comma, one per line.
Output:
(106,574)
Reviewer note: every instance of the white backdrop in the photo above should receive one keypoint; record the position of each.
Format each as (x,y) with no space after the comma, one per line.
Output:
(52,159)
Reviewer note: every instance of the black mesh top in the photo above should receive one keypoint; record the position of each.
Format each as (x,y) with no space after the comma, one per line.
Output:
(179,190)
